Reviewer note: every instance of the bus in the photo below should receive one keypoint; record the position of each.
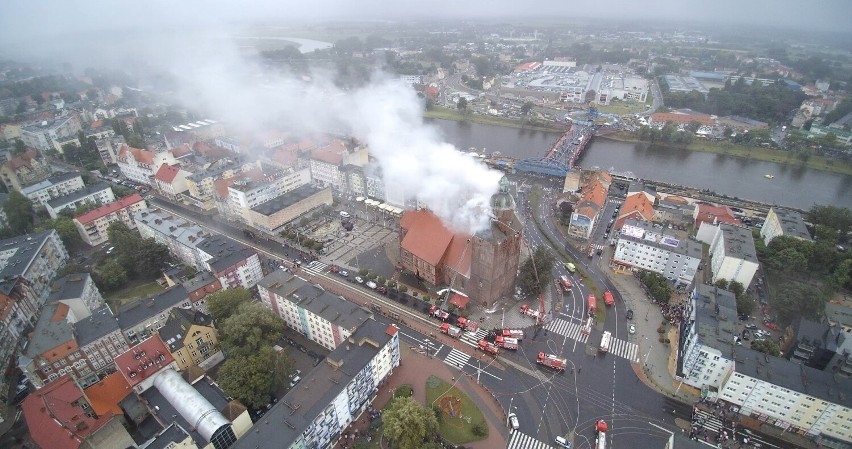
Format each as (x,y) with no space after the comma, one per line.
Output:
(570,267)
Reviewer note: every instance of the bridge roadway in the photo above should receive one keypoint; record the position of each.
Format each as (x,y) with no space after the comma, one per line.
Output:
(562,155)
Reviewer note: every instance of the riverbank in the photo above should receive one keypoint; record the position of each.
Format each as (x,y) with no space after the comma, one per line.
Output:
(438,112)
(760,154)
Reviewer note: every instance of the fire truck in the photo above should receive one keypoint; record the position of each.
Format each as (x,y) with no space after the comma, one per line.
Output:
(608,299)
(593,305)
(450,330)
(513,333)
(506,342)
(587,326)
(529,311)
(606,339)
(565,283)
(600,436)
(466,324)
(551,361)
(488,347)
(442,315)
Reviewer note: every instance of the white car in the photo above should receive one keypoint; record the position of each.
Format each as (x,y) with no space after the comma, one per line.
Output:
(562,442)
(632,329)
(371,284)
(513,421)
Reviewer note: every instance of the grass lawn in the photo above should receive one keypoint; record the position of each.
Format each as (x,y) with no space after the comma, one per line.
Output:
(135,290)
(454,114)
(457,429)
(623,107)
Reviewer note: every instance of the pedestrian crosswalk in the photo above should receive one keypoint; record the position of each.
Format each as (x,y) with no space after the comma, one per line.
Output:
(520,440)
(567,329)
(473,338)
(707,420)
(574,331)
(456,358)
(316,266)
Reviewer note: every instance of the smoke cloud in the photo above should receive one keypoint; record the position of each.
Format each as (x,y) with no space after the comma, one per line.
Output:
(229,85)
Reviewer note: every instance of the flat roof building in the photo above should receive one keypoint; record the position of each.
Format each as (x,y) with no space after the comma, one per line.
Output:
(784,222)
(668,252)
(733,256)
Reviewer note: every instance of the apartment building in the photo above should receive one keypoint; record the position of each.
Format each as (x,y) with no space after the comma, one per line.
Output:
(200,186)
(327,161)
(53,187)
(177,234)
(329,398)
(784,222)
(77,291)
(272,215)
(247,192)
(98,194)
(170,180)
(24,169)
(199,287)
(141,165)
(190,337)
(108,148)
(589,205)
(732,254)
(234,264)
(671,253)
(140,319)
(51,134)
(94,224)
(100,339)
(323,317)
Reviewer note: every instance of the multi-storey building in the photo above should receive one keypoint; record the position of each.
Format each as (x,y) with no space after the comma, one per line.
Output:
(668,252)
(333,395)
(108,148)
(4,220)
(247,192)
(272,215)
(674,210)
(170,180)
(200,186)
(93,225)
(234,264)
(204,283)
(139,319)
(591,202)
(784,222)
(28,264)
(98,194)
(100,338)
(328,159)
(141,165)
(53,187)
(732,254)
(24,169)
(191,338)
(77,291)
(177,234)
(323,317)
(48,135)
(355,181)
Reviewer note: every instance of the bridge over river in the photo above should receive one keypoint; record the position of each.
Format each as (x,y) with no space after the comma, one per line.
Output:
(562,155)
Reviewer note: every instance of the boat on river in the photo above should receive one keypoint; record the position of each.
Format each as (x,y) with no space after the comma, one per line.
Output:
(768,176)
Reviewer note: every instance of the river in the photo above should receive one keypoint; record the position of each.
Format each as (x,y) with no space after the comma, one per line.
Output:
(792,186)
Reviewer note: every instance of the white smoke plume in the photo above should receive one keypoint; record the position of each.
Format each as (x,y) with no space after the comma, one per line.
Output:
(235,88)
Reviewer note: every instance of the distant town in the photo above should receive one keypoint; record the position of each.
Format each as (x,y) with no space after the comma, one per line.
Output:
(314,268)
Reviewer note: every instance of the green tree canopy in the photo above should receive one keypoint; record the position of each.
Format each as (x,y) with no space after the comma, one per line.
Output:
(535,273)
(251,328)
(225,303)
(766,347)
(462,104)
(408,424)
(746,304)
(658,286)
(251,377)
(140,257)
(833,217)
(111,276)
(19,212)
(65,228)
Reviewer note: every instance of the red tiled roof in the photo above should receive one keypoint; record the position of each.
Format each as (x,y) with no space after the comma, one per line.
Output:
(221,186)
(636,206)
(528,66)
(427,237)
(167,173)
(459,301)
(285,155)
(708,213)
(431,91)
(144,156)
(456,257)
(331,154)
(181,150)
(61,424)
(143,360)
(96,124)
(108,208)
(105,395)
(210,151)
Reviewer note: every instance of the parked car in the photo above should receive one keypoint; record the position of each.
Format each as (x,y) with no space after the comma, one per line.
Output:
(343,273)
(382,289)
(629,314)
(562,442)
(359,279)
(333,269)
(372,285)
(632,329)
(513,421)
(751,326)
(746,334)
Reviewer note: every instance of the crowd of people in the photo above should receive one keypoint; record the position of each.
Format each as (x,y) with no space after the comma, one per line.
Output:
(726,436)
(673,313)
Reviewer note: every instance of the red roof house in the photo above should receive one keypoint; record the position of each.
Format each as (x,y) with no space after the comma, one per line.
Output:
(141,362)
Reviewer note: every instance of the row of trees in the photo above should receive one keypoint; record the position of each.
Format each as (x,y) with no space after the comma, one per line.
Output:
(253,371)
(657,286)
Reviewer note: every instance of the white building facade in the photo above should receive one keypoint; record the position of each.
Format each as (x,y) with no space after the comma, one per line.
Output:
(641,245)
(94,194)
(53,187)
(732,255)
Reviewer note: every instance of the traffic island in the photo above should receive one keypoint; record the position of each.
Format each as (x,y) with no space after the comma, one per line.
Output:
(460,421)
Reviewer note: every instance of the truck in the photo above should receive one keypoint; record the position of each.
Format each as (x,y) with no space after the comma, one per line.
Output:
(466,324)
(608,299)
(442,315)
(565,283)
(600,434)
(606,339)
(488,347)
(593,305)
(529,311)
(513,333)
(506,342)
(551,361)
(587,326)
(570,267)
(450,330)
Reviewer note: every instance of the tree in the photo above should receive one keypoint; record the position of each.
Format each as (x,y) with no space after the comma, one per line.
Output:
(746,304)
(535,273)
(834,217)
(225,303)
(407,424)
(66,229)
(526,107)
(20,147)
(251,328)
(736,288)
(766,347)
(462,104)
(842,275)
(19,212)
(111,275)
(722,283)
(248,377)
(138,256)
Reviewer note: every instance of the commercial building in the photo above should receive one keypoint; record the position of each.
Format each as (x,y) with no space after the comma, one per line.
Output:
(53,187)
(234,264)
(329,398)
(664,251)
(93,225)
(98,194)
(272,215)
(50,135)
(140,319)
(679,83)
(140,166)
(732,255)
(190,337)
(784,222)
(308,309)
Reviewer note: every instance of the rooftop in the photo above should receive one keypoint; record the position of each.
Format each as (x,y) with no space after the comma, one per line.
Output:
(739,242)
(108,393)
(69,286)
(225,252)
(109,208)
(143,156)
(333,308)
(286,200)
(172,434)
(672,240)
(182,231)
(97,325)
(426,236)
(51,181)
(136,312)
(143,360)
(177,326)
(708,213)
(304,403)
(839,313)
(25,248)
(792,223)
(715,314)
(53,337)
(167,173)
(79,194)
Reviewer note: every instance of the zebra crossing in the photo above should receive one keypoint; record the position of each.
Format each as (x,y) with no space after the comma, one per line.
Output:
(567,329)
(624,349)
(597,246)
(317,267)
(473,339)
(708,420)
(520,440)
(456,358)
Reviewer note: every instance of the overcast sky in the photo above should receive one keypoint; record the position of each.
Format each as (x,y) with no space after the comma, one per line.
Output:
(28,18)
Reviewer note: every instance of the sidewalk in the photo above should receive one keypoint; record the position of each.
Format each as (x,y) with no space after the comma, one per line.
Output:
(414,370)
